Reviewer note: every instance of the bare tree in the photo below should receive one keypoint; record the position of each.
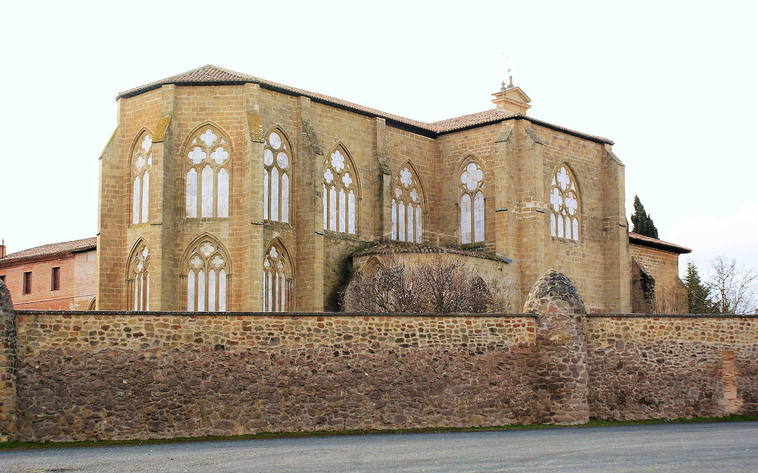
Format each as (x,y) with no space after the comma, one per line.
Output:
(443,286)
(733,287)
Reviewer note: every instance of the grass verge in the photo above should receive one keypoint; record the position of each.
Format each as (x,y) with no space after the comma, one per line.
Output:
(321,433)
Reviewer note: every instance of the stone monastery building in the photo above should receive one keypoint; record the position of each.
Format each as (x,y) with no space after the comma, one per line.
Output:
(224,192)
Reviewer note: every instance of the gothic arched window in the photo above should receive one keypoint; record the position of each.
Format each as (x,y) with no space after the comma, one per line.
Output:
(207,277)
(407,207)
(564,205)
(138,279)
(142,161)
(276,177)
(277,279)
(340,192)
(471,204)
(207,179)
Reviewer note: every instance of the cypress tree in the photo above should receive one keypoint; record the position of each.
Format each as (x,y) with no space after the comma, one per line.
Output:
(641,220)
(698,294)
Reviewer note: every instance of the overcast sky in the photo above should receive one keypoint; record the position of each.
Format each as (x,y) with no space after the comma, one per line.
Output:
(674,84)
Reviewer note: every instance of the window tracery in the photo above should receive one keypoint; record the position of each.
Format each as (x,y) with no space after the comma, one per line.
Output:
(407,207)
(471,204)
(142,161)
(276,177)
(276,279)
(339,193)
(139,279)
(207,277)
(564,205)
(207,179)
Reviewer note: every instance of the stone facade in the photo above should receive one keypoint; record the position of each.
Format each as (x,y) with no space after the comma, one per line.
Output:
(661,268)
(94,375)
(518,157)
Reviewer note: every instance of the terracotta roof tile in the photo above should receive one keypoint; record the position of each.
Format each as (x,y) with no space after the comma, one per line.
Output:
(394,247)
(52,249)
(638,239)
(210,75)
(214,75)
(473,119)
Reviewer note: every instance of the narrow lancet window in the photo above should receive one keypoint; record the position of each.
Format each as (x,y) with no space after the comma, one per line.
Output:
(564,205)
(139,279)
(207,177)
(207,269)
(407,207)
(142,162)
(341,183)
(276,177)
(276,279)
(471,203)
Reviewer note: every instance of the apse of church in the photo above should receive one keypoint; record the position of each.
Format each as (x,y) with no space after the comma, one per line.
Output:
(224,192)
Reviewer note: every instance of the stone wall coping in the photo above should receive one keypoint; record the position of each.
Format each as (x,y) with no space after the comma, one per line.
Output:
(346,314)
(678,316)
(262,314)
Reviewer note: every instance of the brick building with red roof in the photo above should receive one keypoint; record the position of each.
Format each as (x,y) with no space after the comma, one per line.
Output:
(56,276)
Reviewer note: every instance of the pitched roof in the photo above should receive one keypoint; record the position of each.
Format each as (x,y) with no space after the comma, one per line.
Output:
(642,240)
(395,247)
(214,75)
(49,250)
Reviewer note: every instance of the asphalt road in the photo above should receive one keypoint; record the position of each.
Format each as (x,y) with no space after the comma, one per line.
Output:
(686,448)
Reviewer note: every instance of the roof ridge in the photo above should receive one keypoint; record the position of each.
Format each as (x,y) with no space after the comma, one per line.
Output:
(69,245)
(203,76)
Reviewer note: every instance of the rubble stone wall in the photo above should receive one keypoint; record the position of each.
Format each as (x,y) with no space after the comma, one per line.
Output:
(116,375)
(643,367)
(90,375)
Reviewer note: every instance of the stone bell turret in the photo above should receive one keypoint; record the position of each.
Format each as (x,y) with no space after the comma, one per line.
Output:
(511,98)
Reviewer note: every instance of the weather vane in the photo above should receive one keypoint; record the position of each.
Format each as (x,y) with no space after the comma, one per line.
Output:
(509,68)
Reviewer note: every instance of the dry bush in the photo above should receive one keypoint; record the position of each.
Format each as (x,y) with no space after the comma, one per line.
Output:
(443,286)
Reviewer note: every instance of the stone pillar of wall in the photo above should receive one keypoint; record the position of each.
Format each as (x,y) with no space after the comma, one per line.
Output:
(386,180)
(505,216)
(531,210)
(616,242)
(7,366)
(164,219)
(561,383)
(252,244)
(112,219)
(309,265)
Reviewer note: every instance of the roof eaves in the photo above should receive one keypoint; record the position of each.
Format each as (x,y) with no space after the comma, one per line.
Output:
(642,240)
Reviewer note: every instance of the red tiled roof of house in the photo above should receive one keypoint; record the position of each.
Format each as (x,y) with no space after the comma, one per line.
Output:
(214,75)
(51,249)
(394,247)
(638,239)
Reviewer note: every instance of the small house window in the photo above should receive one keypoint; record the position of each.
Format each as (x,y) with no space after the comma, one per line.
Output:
(27,282)
(55,279)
